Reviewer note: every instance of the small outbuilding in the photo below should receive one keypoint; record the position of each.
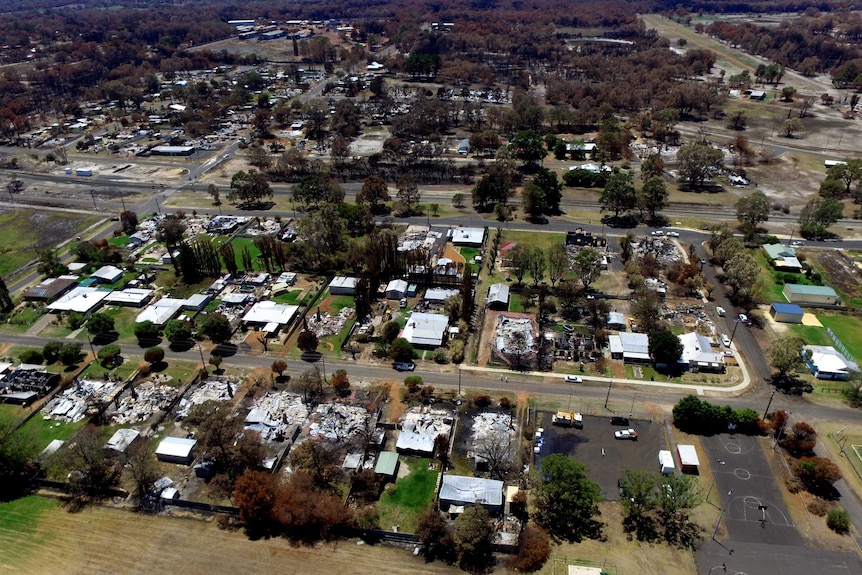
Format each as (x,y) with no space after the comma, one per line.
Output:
(107,274)
(342,285)
(617,321)
(786,312)
(396,289)
(387,464)
(176,450)
(122,440)
(688,461)
(812,295)
(498,297)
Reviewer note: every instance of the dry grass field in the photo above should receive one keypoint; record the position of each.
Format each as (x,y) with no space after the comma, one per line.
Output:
(44,539)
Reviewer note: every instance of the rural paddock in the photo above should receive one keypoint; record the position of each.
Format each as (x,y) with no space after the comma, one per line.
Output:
(101,540)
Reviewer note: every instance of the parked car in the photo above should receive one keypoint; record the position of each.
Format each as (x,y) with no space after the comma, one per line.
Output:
(658,233)
(619,421)
(720,311)
(796,244)
(626,434)
(405,366)
(403,303)
(725,341)
(672,234)
(573,379)
(743,318)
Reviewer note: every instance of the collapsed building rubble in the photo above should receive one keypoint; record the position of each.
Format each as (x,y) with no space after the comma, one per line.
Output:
(277,416)
(338,422)
(144,401)
(420,427)
(213,389)
(492,435)
(324,324)
(515,339)
(72,405)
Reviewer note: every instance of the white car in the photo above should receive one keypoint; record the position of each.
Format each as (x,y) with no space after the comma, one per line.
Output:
(725,341)
(720,311)
(626,434)
(672,234)
(573,379)
(658,233)
(796,244)
(743,318)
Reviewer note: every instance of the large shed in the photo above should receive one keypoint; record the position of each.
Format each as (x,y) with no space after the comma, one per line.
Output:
(813,295)
(688,461)
(498,297)
(786,312)
(387,464)
(343,285)
(176,450)
(460,490)
(396,289)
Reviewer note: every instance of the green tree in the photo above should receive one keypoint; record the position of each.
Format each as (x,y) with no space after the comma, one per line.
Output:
(108,354)
(401,350)
(558,262)
(528,147)
(538,264)
(639,498)
(216,326)
(6,303)
(70,354)
(324,231)
(665,347)
(307,341)
(32,356)
(279,366)
(619,194)
(49,263)
(698,162)
(533,201)
(177,331)
(551,185)
(216,361)
(146,330)
(653,196)
(154,355)
(818,214)
(318,188)
(848,173)
(250,187)
(587,265)
(677,497)
(791,127)
(100,324)
(817,473)
(566,499)
(129,221)
(374,192)
(51,351)
(390,331)
(751,211)
(493,188)
(785,354)
(18,449)
(407,193)
(741,272)
(519,261)
(472,536)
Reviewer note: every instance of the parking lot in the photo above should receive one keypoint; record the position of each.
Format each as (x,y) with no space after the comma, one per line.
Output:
(605,457)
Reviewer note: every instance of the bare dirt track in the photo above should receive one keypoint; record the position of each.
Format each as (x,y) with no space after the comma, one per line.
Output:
(101,540)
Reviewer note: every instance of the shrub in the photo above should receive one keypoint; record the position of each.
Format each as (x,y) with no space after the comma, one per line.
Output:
(441,355)
(413,383)
(506,403)
(456,350)
(481,401)
(534,548)
(31,356)
(154,355)
(816,473)
(818,507)
(838,520)
(75,320)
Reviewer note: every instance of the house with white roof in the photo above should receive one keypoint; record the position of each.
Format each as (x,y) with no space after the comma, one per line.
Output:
(107,274)
(459,491)
(697,354)
(426,329)
(130,296)
(81,299)
(269,315)
(161,311)
(826,362)
(473,237)
(630,347)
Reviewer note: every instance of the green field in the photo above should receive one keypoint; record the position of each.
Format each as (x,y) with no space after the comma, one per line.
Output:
(24,230)
(289,297)
(773,286)
(402,504)
(848,328)
(240,244)
(44,431)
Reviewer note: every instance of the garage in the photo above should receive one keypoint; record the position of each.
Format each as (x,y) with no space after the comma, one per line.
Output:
(786,312)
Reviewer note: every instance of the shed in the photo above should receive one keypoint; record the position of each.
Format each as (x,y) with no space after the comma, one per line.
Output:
(107,274)
(352,461)
(342,285)
(396,289)
(122,440)
(814,295)
(786,312)
(688,461)
(387,464)
(457,490)
(439,295)
(617,321)
(498,297)
(176,450)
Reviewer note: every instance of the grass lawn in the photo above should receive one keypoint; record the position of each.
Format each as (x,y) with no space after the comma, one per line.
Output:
(239,245)
(811,335)
(119,241)
(848,328)
(181,371)
(21,516)
(23,229)
(25,317)
(124,322)
(123,371)
(289,297)
(539,239)
(401,505)
(212,306)
(340,302)
(45,431)
(772,286)
(337,340)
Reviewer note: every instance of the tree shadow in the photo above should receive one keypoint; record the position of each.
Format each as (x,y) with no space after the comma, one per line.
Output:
(106,338)
(158,366)
(181,346)
(149,342)
(256,206)
(225,350)
(628,221)
(311,356)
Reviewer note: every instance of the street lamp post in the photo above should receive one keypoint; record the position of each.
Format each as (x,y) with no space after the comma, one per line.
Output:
(93,195)
(459,381)
(608,397)
(711,485)
(201,351)
(720,515)
(769,403)
(632,408)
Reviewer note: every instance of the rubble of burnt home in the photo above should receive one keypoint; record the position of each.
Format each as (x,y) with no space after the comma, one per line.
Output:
(24,385)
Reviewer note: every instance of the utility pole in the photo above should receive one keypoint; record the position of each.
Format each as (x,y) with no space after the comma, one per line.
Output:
(771,395)
(608,397)
(93,195)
